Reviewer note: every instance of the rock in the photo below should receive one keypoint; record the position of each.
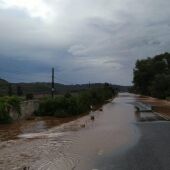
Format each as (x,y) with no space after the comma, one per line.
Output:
(92,117)
(83,125)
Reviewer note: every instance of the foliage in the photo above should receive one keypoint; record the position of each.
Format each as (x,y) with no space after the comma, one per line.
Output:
(29,96)
(4,112)
(151,76)
(62,106)
(6,104)
(19,91)
(160,87)
(10,91)
(67,95)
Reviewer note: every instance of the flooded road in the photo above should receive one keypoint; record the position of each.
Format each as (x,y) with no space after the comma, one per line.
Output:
(80,144)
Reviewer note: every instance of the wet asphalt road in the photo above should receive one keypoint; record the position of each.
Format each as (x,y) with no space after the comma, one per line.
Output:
(151,152)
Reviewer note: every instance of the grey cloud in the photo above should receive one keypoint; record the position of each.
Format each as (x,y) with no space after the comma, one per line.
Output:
(97,40)
(109,61)
(81,68)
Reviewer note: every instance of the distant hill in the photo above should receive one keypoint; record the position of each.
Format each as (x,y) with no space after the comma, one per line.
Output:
(2,81)
(45,88)
(3,86)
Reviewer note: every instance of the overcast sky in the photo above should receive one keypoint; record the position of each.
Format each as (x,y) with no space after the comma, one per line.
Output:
(84,40)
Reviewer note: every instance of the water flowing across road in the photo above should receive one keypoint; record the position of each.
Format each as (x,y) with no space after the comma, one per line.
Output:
(80,144)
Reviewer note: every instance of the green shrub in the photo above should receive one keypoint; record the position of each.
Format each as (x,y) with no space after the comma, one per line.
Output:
(4,112)
(7,103)
(69,105)
(29,96)
(67,95)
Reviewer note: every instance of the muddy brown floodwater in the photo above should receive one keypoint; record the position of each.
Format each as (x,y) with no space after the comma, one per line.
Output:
(34,125)
(77,145)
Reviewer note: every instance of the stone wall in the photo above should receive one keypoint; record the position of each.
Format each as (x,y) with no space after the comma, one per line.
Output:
(27,109)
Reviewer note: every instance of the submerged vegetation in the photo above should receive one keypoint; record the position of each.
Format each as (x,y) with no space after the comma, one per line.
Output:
(152,76)
(74,104)
(6,104)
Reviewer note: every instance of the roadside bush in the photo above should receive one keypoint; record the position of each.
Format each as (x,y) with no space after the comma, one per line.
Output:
(29,96)
(67,95)
(6,104)
(4,112)
(68,105)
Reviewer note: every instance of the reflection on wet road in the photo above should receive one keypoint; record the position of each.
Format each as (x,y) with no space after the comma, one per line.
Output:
(77,145)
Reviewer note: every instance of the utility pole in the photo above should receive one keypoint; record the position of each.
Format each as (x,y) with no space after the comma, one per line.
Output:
(52,84)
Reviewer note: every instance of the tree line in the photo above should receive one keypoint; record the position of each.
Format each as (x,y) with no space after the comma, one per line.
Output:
(152,76)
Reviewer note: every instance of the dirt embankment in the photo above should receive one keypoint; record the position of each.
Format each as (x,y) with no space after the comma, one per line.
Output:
(160,106)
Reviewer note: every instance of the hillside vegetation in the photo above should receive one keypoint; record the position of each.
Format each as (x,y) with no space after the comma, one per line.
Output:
(152,76)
